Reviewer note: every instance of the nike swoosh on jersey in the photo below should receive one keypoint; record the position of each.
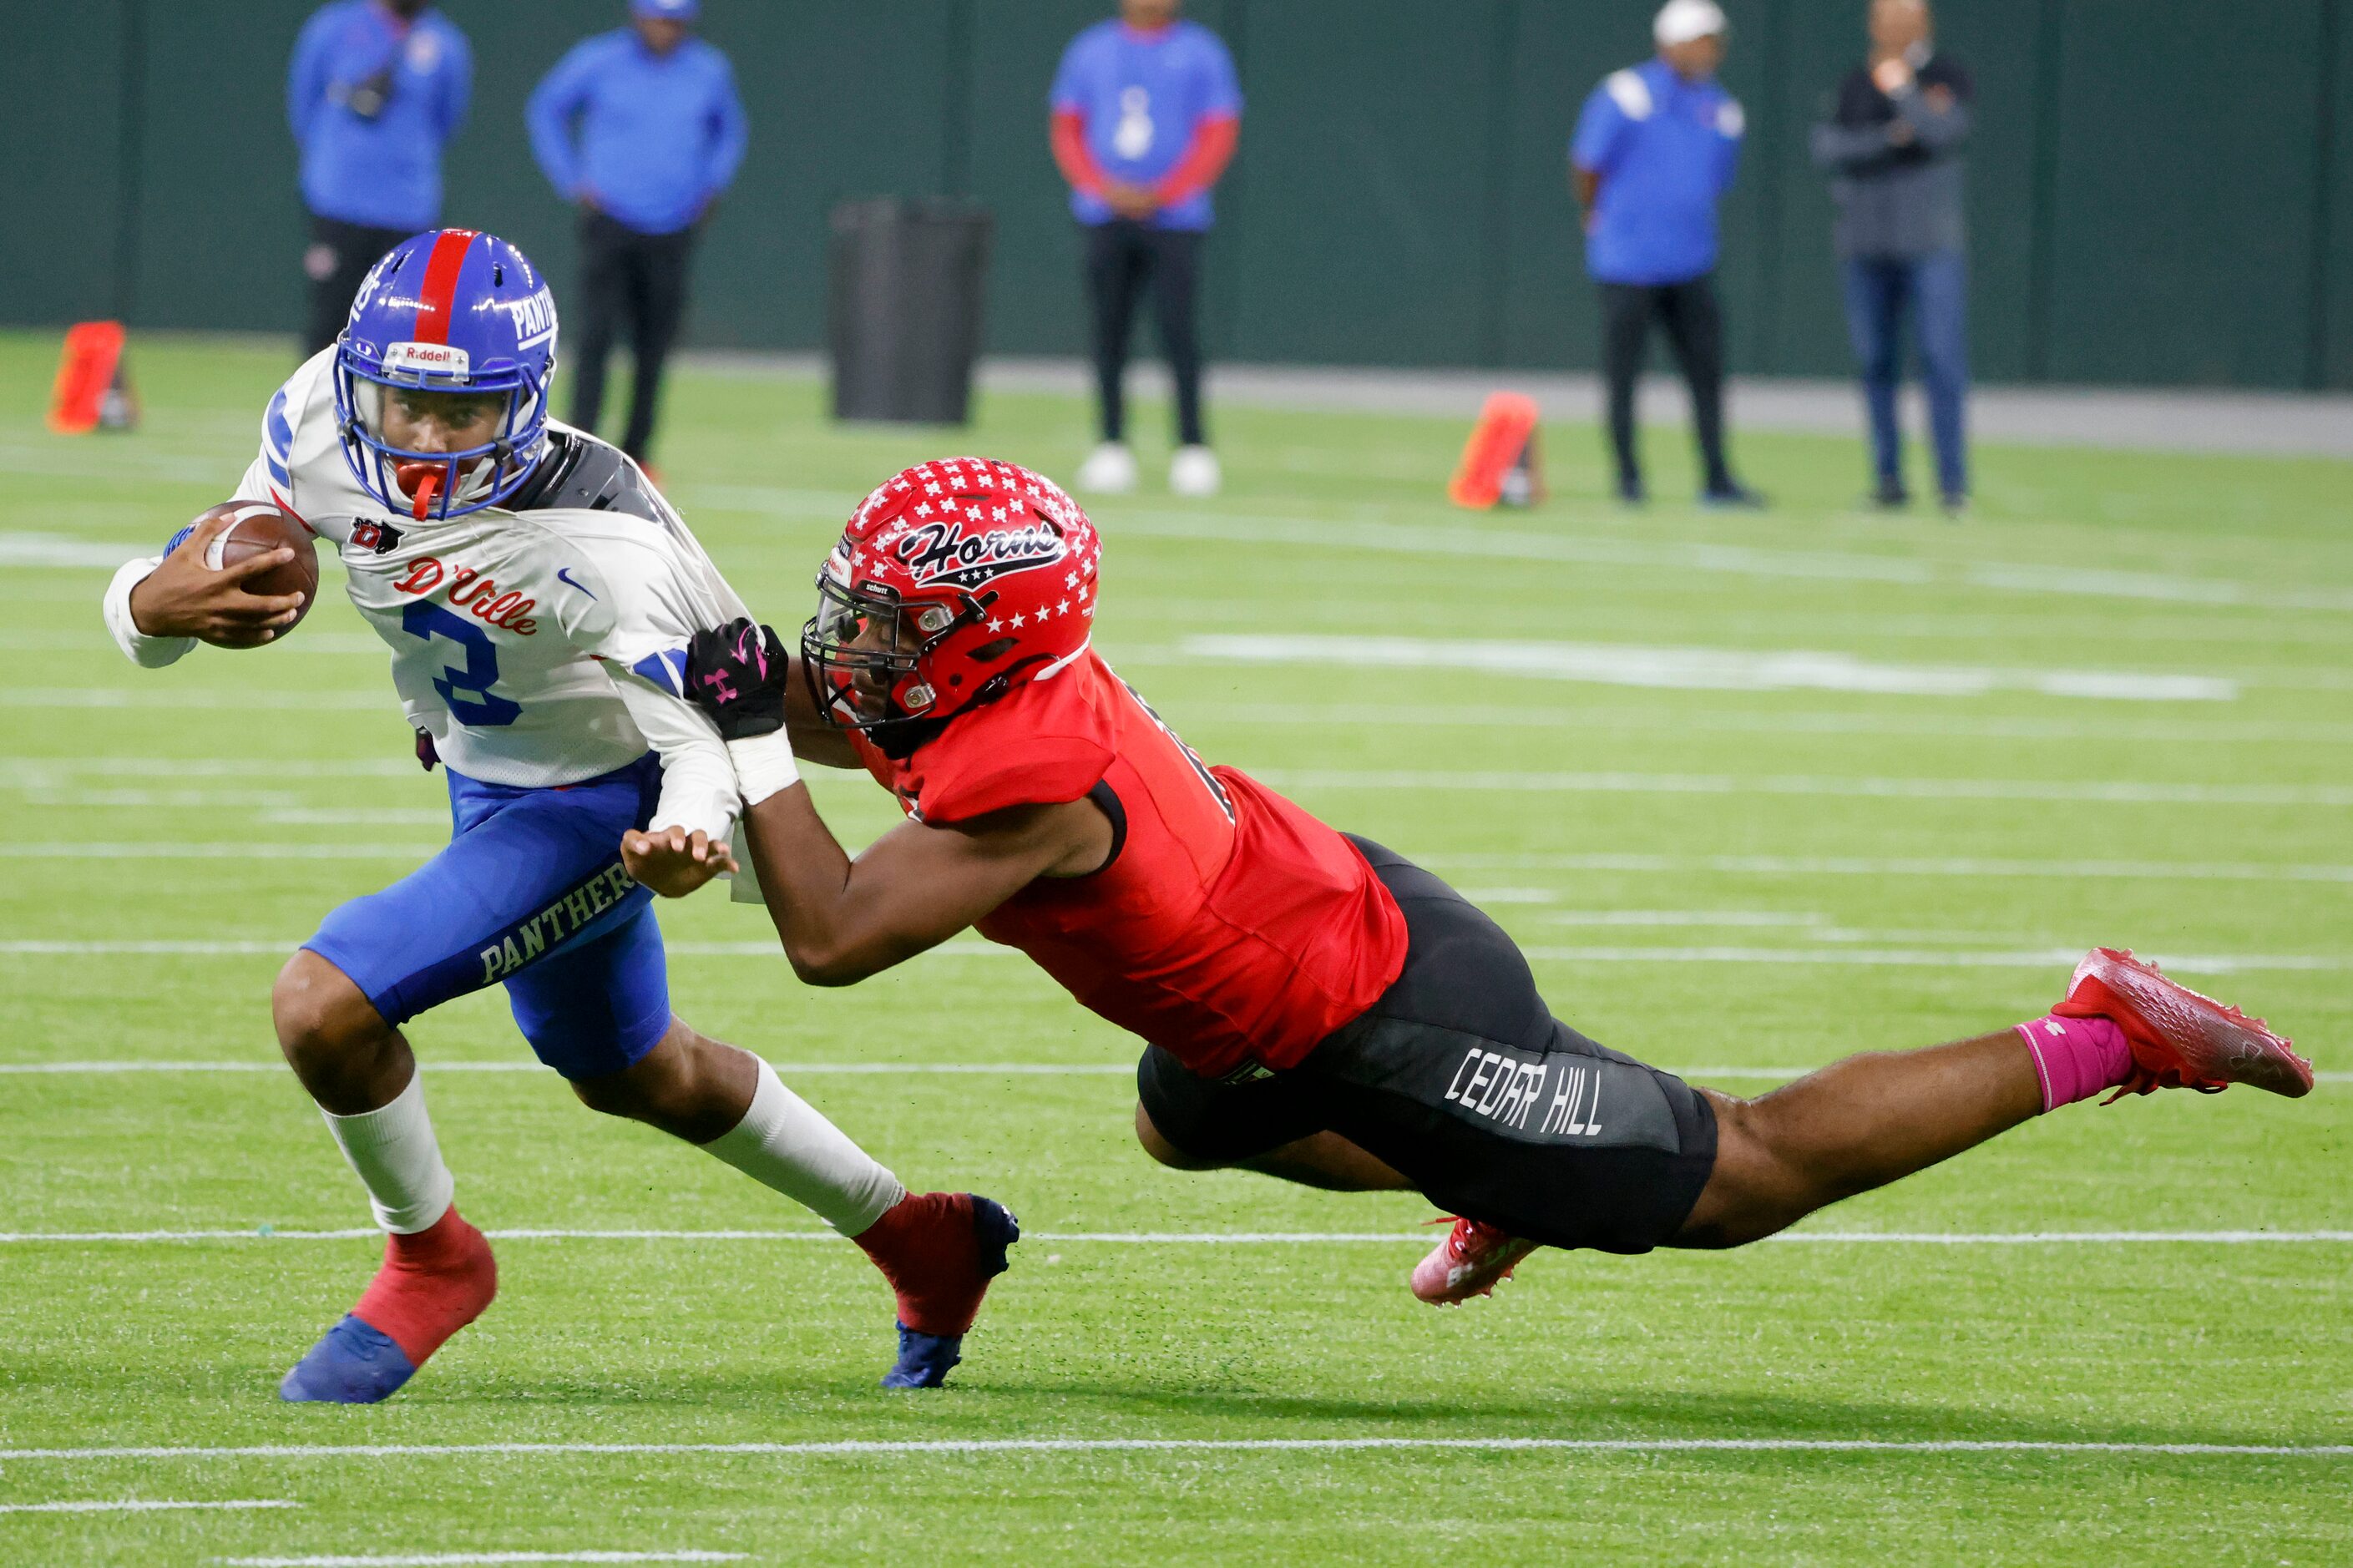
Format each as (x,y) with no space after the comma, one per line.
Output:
(564,575)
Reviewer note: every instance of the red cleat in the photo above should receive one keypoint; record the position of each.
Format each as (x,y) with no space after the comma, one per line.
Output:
(939,1251)
(1472,1260)
(2181,1039)
(432,1284)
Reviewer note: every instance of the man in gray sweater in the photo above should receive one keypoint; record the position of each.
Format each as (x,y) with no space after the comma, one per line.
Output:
(1893,144)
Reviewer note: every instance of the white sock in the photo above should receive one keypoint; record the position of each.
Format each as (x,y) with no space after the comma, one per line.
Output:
(781,1142)
(398,1159)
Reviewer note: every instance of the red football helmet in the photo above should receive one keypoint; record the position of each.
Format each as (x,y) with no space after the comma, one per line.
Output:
(956,582)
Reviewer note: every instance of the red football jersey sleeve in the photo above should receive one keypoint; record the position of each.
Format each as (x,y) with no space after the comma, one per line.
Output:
(1230,926)
(1048,743)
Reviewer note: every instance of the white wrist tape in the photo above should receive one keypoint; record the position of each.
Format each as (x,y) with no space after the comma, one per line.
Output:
(764,765)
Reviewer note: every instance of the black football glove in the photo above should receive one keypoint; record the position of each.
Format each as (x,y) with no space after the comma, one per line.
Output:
(736,674)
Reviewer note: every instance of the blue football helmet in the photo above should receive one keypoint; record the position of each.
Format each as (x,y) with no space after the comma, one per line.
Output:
(450,309)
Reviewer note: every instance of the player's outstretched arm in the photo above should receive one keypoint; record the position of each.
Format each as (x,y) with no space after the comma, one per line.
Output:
(841,919)
(180,597)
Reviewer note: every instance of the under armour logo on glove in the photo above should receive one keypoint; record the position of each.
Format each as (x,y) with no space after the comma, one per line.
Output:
(736,673)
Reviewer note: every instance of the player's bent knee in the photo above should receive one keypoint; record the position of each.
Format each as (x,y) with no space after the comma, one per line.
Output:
(686,1086)
(1160,1149)
(1752,1190)
(316,1006)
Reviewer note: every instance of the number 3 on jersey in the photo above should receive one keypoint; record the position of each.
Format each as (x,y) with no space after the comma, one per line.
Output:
(467,690)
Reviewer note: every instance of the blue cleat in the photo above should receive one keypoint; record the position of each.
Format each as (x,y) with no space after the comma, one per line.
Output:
(924,1359)
(355,1364)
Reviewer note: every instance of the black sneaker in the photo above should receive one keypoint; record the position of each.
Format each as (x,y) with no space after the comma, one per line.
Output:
(1734,496)
(1890,497)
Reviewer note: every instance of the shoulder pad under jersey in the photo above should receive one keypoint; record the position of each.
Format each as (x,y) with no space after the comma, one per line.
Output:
(586,474)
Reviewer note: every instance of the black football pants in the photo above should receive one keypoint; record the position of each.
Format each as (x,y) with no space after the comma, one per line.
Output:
(639,279)
(336,262)
(1695,327)
(1123,257)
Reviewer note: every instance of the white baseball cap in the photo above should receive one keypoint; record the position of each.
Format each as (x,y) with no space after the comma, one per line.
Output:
(1681,21)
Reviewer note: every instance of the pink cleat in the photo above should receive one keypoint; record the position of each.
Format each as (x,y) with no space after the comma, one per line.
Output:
(2179,1039)
(1472,1261)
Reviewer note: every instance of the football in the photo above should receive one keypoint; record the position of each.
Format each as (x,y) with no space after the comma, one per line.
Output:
(257,528)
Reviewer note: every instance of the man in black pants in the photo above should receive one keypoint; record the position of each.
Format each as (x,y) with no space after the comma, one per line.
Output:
(659,134)
(1656,148)
(1147,114)
(1126,256)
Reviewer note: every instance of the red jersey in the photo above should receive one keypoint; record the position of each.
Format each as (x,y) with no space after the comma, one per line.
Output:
(1229,926)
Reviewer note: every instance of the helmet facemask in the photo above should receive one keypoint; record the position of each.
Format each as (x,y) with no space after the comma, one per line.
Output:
(868,653)
(430,486)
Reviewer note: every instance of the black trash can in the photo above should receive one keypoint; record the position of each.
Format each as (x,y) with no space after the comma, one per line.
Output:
(902,320)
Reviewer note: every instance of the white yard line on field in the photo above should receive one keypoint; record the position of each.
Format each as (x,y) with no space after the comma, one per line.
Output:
(855,1449)
(459,1558)
(1647,865)
(788,1069)
(139,1505)
(168,694)
(1867,866)
(19,549)
(1457,543)
(226,849)
(2075,726)
(1703,668)
(878,1070)
(1934,958)
(47,771)
(1873,957)
(2103,791)
(1423,1236)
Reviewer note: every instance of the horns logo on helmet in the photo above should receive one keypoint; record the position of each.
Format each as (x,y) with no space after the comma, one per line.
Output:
(945,553)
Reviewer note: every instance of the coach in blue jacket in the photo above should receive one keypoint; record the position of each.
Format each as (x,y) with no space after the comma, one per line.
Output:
(641,130)
(1656,149)
(375,90)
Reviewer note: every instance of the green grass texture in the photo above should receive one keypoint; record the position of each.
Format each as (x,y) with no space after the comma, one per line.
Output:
(1755,792)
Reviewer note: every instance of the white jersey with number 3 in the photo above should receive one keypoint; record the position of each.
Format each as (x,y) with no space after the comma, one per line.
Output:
(538,646)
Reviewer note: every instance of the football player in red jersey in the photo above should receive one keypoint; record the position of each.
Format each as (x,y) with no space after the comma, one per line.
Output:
(1316,1006)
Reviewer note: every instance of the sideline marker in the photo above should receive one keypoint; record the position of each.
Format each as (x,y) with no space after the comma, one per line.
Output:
(1500,463)
(93,386)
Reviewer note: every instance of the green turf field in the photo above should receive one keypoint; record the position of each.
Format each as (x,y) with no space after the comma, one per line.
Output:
(2112,707)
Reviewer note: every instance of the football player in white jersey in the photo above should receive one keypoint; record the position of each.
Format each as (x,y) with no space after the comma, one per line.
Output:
(538,595)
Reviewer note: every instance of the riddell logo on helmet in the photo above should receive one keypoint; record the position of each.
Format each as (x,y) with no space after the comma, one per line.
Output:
(439,359)
(944,552)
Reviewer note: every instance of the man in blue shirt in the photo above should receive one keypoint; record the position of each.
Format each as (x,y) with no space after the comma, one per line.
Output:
(1656,149)
(641,130)
(375,90)
(1146,114)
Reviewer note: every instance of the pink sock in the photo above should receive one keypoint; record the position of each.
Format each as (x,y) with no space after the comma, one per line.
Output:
(2077,1058)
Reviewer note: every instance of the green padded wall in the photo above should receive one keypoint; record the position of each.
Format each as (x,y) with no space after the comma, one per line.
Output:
(2333,349)
(63,102)
(2158,194)
(2184,172)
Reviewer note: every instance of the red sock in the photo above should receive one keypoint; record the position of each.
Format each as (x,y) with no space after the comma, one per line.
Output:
(431,1285)
(2077,1058)
(925,1247)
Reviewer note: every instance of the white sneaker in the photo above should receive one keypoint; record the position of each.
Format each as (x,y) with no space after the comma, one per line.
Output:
(1109,470)
(1194,472)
